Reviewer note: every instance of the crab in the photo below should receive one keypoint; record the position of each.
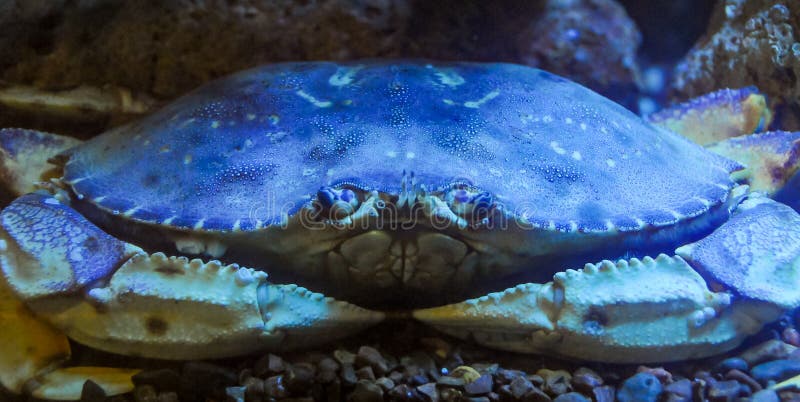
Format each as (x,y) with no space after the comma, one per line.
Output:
(494,202)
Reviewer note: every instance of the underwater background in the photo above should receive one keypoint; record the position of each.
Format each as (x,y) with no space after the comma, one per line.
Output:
(107,62)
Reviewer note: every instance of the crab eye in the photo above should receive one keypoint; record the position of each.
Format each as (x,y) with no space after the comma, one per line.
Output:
(336,204)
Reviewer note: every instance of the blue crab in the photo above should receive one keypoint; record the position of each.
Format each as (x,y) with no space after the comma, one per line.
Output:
(407,186)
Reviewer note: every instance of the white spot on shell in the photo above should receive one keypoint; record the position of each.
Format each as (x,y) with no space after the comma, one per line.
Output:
(610,162)
(309,172)
(410,155)
(314,101)
(214,124)
(554,145)
(583,126)
(476,104)
(251,116)
(51,201)
(576,155)
(391,154)
(568,120)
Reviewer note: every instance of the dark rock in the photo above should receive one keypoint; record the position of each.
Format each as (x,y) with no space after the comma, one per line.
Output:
(724,391)
(585,381)
(642,387)
(571,397)
(520,386)
(369,356)
(536,395)
(326,370)
(91,392)
(365,373)
(605,393)
(456,382)
(776,370)
(169,397)
(299,378)
(418,379)
(205,380)
(681,387)
(348,375)
(731,363)
(254,387)
(275,387)
(765,395)
(144,393)
(161,379)
(482,385)
(403,392)
(268,365)
(450,395)
(505,376)
(366,391)
(429,391)
(396,376)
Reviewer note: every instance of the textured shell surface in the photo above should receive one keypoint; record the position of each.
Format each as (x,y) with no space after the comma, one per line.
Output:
(255,147)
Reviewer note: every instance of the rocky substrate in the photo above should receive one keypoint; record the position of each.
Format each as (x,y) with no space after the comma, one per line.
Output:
(409,362)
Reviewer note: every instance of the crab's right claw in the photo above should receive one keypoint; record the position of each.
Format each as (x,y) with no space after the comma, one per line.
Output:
(649,310)
(112,296)
(24,156)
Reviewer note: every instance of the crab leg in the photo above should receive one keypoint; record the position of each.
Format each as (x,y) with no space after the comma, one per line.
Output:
(112,296)
(650,309)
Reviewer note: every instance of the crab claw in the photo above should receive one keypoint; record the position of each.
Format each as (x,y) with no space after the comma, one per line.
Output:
(648,310)
(112,296)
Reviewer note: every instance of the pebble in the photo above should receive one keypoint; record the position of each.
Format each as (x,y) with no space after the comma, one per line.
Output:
(369,356)
(585,380)
(731,363)
(772,349)
(642,387)
(481,385)
(765,395)
(723,391)
(556,382)
(366,391)
(365,373)
(606,393)
(299,377)
(743,378)
(326,370)
(385,383)
(791,336)
(429,390)
(520,386)
(682,387)
(536,395)
(275,387)
(145,393)
(776,370)
(571,397)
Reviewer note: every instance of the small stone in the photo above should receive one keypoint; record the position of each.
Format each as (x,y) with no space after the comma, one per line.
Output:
(396,376)
(605,393)
(450,395)
(235,394)
(776,370)
(642,387)
(369,356)
(365,373)
(92,392)
(403,392)
(731,363)
(344,357)
(385,383)
(682,387)
(765,395)
(723,391)
(326,370)
(556,382)
(536,395)
(348,375)
(586,381)
(429,391)
(571,397)
(482,385)
(161,379)
(505,376)
(664,376)
(299,377)
(743,378)
(275,387)
(418,379)
(254,386)
(456,382)
(520,386)
(791,336)
(268,365)
(772,349)
(366,391)
(144,393)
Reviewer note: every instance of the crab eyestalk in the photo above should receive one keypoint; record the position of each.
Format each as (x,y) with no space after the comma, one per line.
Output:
(472,206)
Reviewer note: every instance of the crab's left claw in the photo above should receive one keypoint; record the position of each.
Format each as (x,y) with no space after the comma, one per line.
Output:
(649,310)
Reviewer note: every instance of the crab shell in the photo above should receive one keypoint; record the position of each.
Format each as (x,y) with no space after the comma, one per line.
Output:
(400,185)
